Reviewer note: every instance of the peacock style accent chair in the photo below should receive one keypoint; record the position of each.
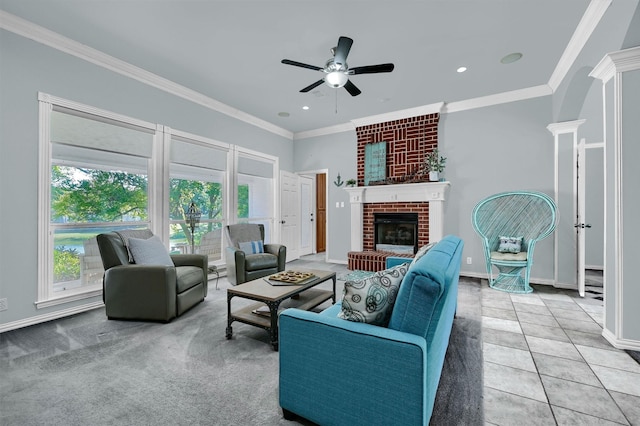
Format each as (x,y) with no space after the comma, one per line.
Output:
(510,224)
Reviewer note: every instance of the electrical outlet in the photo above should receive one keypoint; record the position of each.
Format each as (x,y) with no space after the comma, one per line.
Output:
(3,304)
(469,261)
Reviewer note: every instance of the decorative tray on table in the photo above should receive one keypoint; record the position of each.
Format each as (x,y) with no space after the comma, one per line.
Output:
(291,277)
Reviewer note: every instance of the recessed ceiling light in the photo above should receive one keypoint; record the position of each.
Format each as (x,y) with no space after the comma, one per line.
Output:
(511,57)
(305,107)
(283,114)
(461,69)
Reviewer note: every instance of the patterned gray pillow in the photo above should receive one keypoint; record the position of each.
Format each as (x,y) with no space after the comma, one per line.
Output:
(371,299)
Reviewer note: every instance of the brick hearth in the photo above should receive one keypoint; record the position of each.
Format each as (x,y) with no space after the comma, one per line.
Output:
(370,260)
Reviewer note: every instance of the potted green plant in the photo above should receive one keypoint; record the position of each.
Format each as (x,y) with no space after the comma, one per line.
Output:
(351,182)
(435,164)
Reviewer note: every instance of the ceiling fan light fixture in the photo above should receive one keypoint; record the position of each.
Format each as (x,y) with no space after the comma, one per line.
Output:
(336,79)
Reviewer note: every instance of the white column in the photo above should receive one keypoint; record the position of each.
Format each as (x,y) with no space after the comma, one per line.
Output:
(436,220)
(357,210)
(620,75)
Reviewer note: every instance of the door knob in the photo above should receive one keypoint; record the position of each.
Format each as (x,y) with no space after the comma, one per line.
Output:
(582,225)
(282,221)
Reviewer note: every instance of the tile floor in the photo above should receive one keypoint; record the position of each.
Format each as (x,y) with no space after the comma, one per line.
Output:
(546,362)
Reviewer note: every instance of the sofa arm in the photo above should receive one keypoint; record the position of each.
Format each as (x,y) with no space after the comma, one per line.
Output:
(140,291)
(280,251)
(385,371)
(395,261)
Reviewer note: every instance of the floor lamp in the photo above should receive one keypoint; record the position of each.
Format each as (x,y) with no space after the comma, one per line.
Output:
(193,218)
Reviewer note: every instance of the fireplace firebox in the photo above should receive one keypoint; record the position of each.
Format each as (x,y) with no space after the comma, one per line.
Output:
(396,232)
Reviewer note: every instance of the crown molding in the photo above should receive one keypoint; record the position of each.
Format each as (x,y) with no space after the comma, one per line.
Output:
(565,127)
(499,98)
(338,128)
(590,20)
(620,61)
(399,115)
(440,107)
(56,41)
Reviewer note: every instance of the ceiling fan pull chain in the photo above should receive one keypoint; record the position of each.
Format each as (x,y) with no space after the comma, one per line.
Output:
(336,92)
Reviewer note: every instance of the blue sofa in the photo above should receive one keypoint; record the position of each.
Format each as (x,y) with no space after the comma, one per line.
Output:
(339,372)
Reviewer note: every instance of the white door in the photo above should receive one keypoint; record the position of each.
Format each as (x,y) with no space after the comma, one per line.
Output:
(290,214)
(307,224)
(590,212)
(580,214)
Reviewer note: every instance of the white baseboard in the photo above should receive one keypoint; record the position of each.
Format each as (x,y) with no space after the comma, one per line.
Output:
(485,276)
(632,345)
(50,316)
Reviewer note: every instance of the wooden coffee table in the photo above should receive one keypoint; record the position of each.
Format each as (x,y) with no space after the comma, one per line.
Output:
(272,296)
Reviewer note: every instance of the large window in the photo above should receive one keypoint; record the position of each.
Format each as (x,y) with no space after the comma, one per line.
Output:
(256,192)
(101,172)
(97,180)
(197,174)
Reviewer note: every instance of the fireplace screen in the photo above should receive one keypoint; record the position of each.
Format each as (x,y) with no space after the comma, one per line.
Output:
(396,232)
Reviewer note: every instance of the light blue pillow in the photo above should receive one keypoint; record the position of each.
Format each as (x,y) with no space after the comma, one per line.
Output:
(252,247)
(149,252)
(510,245)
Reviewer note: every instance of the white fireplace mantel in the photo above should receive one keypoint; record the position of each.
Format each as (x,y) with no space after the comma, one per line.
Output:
(432,192)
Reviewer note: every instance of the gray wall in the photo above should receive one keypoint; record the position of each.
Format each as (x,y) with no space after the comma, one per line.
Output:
(338,154)
(494,149)
(499,148)
(26,68)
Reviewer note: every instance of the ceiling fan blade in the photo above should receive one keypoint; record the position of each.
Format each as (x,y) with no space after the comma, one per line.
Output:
(313,86)
(342,50)
(351,88)
(371,69)
(300,64)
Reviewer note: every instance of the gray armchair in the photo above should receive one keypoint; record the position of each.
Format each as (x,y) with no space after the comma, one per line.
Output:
(243,266)
(149,292)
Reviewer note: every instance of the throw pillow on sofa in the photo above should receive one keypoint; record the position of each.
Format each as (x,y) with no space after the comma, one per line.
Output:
(371,299)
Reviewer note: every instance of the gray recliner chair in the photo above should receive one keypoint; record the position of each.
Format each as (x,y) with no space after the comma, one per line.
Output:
(149,292)
(246,266)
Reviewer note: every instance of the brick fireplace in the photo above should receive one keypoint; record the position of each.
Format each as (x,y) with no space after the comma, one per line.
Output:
(405,190)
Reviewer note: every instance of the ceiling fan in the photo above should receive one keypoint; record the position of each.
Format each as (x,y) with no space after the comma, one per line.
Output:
(337,71)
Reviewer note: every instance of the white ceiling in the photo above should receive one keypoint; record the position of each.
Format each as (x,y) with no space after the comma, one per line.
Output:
(231,50)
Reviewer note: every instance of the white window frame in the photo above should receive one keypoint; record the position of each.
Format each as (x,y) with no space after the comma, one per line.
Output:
(47,103)
(169,135)
(158,191)
(275,206)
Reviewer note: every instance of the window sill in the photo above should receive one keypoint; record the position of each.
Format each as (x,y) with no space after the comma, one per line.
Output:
(85,293)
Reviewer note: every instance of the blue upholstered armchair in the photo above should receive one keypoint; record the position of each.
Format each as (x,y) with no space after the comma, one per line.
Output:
(510,224)
(339,372)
